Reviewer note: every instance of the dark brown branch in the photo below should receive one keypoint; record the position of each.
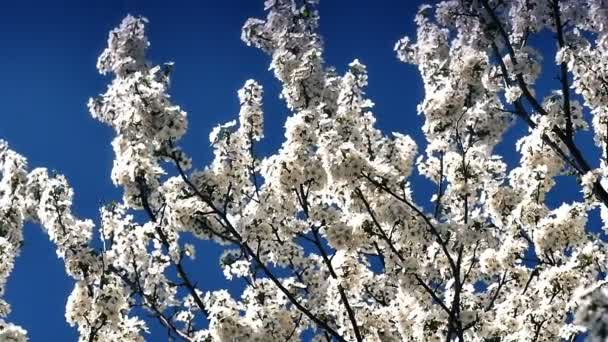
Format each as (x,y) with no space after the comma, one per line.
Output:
(136,288)
(303,198)
(165,242)
(563,70)
(534,273)
(428,222)
(439,187)
(343,297)
(453,320)
(501,283)
(583,166)
(251,252)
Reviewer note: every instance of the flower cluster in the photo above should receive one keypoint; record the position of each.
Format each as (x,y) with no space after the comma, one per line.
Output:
(139,109)
(325,233)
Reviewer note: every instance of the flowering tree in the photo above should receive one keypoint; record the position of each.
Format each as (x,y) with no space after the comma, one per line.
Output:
(325,231)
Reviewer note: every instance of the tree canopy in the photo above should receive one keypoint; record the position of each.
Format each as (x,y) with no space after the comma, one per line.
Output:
(325,231)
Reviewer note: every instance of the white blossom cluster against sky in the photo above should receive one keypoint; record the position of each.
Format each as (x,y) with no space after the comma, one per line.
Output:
(49,57)
(344,193)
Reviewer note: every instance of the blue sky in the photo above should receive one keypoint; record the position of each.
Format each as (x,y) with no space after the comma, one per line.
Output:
(49,52)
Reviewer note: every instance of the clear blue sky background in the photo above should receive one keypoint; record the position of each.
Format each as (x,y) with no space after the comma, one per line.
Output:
(49,52)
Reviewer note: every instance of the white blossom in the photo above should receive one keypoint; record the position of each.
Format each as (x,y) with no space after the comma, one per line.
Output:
(325,234)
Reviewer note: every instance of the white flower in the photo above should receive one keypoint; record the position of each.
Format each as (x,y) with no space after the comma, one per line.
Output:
(512,93)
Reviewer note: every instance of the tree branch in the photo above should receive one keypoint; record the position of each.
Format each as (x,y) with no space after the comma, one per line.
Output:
(165,241)
(250,251)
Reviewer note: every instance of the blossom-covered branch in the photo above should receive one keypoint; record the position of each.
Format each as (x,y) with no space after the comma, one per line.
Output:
(325,232)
